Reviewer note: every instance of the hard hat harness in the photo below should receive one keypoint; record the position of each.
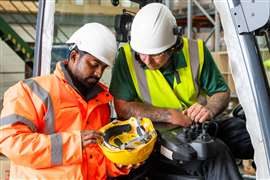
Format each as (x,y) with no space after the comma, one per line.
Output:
(142,138)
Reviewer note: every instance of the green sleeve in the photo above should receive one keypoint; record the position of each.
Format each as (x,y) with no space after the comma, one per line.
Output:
(211,79)
(121,86)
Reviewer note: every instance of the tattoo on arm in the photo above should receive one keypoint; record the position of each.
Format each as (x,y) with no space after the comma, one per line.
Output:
(138,109)
(218,102)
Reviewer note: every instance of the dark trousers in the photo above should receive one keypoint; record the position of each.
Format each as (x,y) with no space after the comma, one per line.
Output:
(233,132)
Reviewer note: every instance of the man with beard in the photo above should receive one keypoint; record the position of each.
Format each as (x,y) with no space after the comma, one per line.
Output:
(49,124)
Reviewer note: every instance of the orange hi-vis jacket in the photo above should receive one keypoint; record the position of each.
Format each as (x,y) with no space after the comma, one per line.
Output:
(40,129)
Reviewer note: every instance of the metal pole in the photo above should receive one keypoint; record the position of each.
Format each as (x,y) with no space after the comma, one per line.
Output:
(217,31)
(210,34)
(39,32)
(189,19)
(204,11)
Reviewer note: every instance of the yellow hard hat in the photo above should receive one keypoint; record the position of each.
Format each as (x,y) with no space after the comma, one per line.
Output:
(128,142)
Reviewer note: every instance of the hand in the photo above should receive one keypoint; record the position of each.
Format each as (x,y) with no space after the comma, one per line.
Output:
(198,113)
(129,167)
(179,118)
(90,137)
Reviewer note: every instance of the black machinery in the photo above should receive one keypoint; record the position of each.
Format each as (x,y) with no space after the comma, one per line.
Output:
(186,144)
(175,147)
(122,22)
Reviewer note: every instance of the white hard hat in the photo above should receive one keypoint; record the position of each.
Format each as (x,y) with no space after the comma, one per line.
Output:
(97,40)
(152,29)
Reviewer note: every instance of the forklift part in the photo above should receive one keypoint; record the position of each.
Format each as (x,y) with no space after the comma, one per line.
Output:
(128,142)
(186,144)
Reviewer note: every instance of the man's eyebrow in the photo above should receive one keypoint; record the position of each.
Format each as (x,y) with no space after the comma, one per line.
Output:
(99,61)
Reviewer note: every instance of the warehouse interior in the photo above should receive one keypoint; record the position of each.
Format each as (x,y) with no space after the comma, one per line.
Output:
(19,18)
(198,19)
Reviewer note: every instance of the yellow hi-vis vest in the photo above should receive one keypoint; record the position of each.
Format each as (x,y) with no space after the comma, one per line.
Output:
(152,87)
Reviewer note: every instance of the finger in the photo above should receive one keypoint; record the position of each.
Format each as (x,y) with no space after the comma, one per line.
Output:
(129,166)
(204,118)
(191,109)
(115,121)
(91,132)
(195,111)
(209,114)
(198,117)
(92,135)
(137,165)
(119,166)
(88,142)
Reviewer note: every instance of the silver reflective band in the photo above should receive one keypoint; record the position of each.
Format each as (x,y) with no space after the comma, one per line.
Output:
(194,61)
(142,82)
(56,149)
(46,98)
(15,118)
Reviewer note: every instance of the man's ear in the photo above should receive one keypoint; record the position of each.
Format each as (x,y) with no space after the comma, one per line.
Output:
(74,56)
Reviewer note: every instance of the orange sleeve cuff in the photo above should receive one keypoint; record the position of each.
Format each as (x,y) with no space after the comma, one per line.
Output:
(72,148)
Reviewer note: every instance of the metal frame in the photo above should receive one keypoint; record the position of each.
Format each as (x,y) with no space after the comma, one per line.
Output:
(215,22)
(38,45)
(246,27)
(248,71)
(260,88)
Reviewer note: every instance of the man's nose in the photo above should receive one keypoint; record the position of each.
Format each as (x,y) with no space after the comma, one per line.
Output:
(98,72)
(147,59)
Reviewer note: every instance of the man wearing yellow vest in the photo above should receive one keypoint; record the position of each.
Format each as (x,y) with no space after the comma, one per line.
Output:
(166,77)
(49,124)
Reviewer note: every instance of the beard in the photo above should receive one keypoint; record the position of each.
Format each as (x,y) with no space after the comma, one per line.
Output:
(86,83)
(91,81)
(82,84)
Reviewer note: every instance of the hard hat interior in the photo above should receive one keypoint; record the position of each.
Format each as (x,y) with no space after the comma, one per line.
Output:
(126,136)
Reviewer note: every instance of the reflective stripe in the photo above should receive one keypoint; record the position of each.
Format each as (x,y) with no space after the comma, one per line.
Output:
(142,82)
(46,98)
(129,59)
(56,149)
(146,91)
(151,85)
(15,118)
(201,55)
(194,62)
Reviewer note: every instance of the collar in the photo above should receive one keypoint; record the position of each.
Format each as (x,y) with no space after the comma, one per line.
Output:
(62,73)
(177,61)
